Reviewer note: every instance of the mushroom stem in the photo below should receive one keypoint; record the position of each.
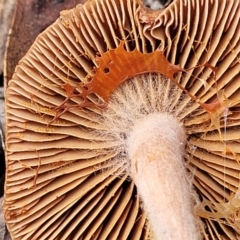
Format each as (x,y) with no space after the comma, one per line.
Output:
(156,149)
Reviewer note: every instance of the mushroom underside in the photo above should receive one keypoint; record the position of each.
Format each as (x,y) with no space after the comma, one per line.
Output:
(67,165)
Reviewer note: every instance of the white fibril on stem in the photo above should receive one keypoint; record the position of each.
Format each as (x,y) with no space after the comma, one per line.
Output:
(144,120)
(156,149)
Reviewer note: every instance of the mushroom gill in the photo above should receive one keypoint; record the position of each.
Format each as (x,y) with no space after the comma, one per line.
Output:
(66,158)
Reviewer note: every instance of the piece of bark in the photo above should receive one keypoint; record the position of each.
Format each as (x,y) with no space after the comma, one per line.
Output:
(31,17)
(6,12)
(4,234)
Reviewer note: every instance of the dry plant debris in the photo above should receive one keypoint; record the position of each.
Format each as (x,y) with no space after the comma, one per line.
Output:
(67,174)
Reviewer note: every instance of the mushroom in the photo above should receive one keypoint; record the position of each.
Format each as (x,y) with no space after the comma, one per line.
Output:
(120,118)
